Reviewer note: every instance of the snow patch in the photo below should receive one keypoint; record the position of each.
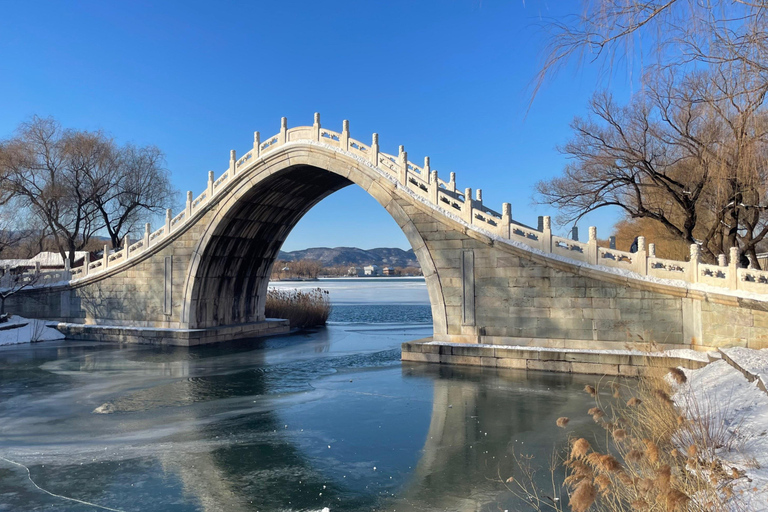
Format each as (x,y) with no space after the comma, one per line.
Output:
(719,395)
(24,330)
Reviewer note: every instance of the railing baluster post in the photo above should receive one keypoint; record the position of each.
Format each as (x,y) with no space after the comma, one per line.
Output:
(693,264)
(256,145)
(344,139)
(375,149)
(105,258)
(86,263)
(126,244)
(546,234)
(168,217)
(651,251)
(592,246)
(188,209)
(506,220)
(452,182)
(232,162)
(641,265)
(147,231)
(316,127)
(733,268)
(283,137)
(402,160)
(434,186)
(210,185)
(466,208)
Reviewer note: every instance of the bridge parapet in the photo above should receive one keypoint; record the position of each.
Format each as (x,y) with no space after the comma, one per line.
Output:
(424,184)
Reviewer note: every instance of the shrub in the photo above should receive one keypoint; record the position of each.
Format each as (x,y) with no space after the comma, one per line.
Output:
(302,308)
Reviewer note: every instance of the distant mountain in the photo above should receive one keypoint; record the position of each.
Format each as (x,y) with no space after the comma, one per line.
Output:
(352,256)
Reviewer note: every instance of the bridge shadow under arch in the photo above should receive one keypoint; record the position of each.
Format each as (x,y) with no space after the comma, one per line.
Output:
(229,274)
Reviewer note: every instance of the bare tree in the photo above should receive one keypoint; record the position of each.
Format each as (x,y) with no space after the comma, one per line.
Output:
(689,153)
(78,183)
(133,186)
(46,167)
(661,34)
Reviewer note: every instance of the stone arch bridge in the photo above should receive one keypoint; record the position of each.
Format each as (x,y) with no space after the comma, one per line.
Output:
(202,276)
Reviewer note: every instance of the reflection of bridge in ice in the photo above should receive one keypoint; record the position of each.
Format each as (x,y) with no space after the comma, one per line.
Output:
(205,271)
(468,445)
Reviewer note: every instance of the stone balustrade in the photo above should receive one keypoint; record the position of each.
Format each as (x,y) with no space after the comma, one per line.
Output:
(423,183)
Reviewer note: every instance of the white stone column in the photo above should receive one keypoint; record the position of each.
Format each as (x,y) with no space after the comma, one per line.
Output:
(402,160)
(375,149)
(651,251)
(316,127)
(434,187)
(86,263)
(452,182)
(232,162)
(168,217)
(188,209)
(126,244)
(506,220)
(722,261)
(344,139)
(466,208)
(546,234)
(733,268)
(210,185)
(283,137)
(693,264)
(256,144)
(105,256)
(640,258)
(147,231)
(592,250)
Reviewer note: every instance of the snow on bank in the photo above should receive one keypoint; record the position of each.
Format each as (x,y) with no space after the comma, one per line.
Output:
(736,411)
(754,362)
(26,330)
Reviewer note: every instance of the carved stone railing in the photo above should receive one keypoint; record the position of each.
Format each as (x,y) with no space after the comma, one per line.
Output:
(423,182)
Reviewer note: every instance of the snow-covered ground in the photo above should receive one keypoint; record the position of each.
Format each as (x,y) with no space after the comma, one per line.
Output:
(26,330)
(737,412)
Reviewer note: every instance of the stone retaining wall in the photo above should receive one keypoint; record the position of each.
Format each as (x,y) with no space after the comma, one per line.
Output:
(624,363)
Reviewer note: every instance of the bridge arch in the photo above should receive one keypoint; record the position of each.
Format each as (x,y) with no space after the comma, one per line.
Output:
(228,274)
(202,276)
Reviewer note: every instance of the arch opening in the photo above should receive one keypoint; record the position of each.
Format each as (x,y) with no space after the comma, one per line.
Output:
(228,279)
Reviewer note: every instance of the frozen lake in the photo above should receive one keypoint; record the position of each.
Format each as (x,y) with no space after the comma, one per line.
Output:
(324,418)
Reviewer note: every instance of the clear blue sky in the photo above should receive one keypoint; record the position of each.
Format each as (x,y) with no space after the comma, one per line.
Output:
(447,79)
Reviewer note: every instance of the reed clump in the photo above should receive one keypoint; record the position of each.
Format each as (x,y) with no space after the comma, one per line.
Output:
(301,308)
(658,454)
(651,459)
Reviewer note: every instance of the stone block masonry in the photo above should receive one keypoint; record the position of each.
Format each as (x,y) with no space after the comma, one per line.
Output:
(623,363)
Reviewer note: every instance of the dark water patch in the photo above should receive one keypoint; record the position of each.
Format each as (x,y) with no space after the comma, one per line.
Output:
(381,314)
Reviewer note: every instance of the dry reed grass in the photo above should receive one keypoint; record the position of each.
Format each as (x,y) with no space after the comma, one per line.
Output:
(302,309)
(653,459)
